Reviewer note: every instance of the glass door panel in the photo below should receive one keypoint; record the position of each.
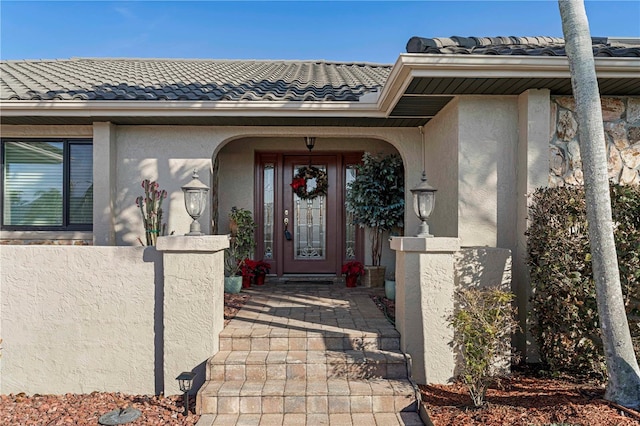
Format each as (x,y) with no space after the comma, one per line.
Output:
(309,218)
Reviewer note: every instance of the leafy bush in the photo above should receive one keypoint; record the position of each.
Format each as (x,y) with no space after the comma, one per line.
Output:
(241,243)
(482,327)
(564,307)
(376,197)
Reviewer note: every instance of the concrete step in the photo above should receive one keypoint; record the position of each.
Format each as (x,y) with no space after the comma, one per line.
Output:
(282,339)
(330,396)
(276,365)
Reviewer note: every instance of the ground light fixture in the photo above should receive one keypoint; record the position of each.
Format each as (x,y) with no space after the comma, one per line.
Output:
(424,198)
(185,381)
(195,200)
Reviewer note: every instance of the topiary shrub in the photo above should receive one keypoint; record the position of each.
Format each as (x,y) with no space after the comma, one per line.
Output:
(482,325)
(376,197)
(564,308)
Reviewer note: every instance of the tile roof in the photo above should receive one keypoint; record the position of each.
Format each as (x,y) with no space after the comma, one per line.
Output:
(194,80)
(527,46)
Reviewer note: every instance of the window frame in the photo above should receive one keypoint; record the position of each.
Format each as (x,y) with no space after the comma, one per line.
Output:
(66,182)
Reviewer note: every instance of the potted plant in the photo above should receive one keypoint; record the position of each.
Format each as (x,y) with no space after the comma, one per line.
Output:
(260,271)
(241,245)
(375,198)
(246,269)
(352,270)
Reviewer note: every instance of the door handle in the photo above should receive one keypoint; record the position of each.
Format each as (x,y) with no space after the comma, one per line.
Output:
(287,234)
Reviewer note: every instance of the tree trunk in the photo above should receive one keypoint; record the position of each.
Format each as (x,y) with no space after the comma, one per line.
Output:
(623,386)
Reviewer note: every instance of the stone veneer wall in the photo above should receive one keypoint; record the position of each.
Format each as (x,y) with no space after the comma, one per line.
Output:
(621,117)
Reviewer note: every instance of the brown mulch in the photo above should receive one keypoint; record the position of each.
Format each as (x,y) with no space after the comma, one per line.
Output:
(527,401)
(86,409)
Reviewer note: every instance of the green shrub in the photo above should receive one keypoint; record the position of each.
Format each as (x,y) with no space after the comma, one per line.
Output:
(482,325)
(241,243)
(564,309)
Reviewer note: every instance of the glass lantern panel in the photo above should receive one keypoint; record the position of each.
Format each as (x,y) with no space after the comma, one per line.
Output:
(423,203)
(195,202)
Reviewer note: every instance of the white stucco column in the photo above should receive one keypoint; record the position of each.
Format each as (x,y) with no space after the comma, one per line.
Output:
(534,134)
(104,184)
(425,283)
(193,308)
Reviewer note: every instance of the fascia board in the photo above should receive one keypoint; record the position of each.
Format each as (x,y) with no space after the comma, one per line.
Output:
(187,108)
(410,65)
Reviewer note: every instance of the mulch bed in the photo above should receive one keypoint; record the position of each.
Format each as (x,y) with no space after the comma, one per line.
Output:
(524,400)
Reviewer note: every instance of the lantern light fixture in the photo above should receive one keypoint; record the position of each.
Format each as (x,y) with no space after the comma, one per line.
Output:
(185,381)
(310,142)
(195,201)
(424,197)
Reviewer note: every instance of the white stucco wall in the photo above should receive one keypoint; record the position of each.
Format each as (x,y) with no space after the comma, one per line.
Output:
(441,137)
(78,319)
(532,172)
(488,137)
(169,155)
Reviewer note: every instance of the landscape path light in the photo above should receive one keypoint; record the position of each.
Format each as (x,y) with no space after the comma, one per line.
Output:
(185,381)
(424,198)
(195,200)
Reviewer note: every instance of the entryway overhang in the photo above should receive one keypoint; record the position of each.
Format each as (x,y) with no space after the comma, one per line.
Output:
(420,85)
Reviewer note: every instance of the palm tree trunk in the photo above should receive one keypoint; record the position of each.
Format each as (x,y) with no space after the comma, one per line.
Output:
(623,386)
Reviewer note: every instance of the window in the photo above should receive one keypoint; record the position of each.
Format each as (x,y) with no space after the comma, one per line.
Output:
(47,184)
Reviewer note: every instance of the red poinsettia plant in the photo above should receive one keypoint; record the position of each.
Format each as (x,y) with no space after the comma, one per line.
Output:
(246,267)
(256,267)
(353,268)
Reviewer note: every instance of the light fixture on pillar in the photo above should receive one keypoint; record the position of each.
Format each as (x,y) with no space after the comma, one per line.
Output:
(185,381)
(195,200)
(424,197)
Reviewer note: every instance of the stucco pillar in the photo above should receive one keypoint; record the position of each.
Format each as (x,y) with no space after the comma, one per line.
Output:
(534,114)
(193,315)
(425,283)
(104,184)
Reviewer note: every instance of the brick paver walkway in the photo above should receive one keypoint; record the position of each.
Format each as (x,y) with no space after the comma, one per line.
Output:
(314,354)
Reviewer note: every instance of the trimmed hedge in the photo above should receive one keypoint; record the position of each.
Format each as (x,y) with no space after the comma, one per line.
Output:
(565,315)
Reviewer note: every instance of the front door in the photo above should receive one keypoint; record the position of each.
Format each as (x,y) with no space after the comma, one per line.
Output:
(298,235)
(310,243)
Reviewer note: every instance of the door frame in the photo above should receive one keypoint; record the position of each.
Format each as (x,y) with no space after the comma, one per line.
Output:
(277,158)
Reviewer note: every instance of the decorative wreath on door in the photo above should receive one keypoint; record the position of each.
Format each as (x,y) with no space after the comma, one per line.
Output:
(301,184)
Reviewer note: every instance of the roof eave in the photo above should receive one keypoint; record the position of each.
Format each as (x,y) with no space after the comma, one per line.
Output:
(88,108)
(410,65)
